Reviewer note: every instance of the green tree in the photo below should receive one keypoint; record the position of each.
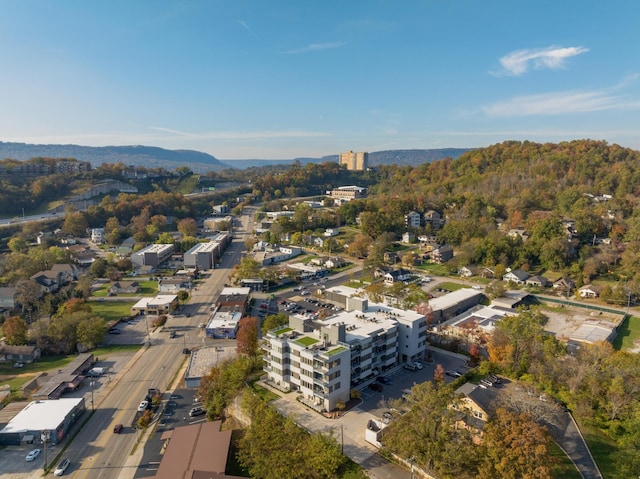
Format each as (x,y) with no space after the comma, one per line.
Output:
(273,321)
(75,224)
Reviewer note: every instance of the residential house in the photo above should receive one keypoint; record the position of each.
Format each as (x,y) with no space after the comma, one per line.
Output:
(318,261)
(8,300)
(537,281)
(397,275)
(475,405)
(518,233)
(97,235)
(331,232)
(124,287)
(590,291)
(21,354)
(408,237)
(516,276)
(487,273)
(442,254)
(66,273)
(468,271)
(433,218)
(173,285)
(380,272)
(47,282)
(412,219)
(335,262)
(390,257)
(564,286)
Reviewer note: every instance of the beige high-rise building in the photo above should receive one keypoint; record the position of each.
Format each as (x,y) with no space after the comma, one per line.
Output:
(357,161)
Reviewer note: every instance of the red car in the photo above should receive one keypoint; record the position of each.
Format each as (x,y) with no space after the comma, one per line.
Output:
(118,428)
(376,387)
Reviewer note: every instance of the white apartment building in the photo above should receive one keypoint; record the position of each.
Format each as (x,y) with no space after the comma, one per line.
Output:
(324,359)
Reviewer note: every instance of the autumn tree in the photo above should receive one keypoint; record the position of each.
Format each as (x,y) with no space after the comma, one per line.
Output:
(438,374)
(75,224)
(515,446)
(15,330)
(247,337)
(188,227)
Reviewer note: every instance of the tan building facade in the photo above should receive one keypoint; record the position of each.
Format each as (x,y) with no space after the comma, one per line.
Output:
(356,161)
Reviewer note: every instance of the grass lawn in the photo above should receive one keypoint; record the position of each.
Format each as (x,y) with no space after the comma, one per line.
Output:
(147,288)
(263,393)
(602,448)
(435,269)
(105,351)
(565,469)
(111,310)
(16,378)
(628,334)
(448,285)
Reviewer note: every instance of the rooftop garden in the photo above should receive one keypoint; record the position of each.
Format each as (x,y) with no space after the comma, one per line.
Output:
(306,341)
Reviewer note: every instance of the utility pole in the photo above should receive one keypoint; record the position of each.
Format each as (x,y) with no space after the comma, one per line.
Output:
(45,437)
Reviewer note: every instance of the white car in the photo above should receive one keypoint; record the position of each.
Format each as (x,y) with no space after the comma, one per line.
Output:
(418,365)
(32,455)
(143,406)
(64,464)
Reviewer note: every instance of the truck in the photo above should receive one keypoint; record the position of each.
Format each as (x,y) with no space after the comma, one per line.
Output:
(95,372)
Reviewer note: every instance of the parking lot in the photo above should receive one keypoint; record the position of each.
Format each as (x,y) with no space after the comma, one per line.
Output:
(350,428)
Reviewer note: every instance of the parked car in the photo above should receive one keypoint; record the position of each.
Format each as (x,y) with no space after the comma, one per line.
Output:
(114,331)
(143,406)
(418,364)
(186,351)
(377,387)
(486,382)
(196,411)
(18,365)
(410,367)
(383,380)
(452,373)
(117,429)
(62,466)
(32,455)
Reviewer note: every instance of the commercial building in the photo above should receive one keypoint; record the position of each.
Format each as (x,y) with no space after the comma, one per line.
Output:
(50,417)
(344,194)
(204,256)
(152,255)
(355,161)
(223,324)
(161,304)
(202,360)
(197,451)
(452,304)
(325,358)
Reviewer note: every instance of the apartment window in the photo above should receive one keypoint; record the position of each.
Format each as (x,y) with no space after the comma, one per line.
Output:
(478,414)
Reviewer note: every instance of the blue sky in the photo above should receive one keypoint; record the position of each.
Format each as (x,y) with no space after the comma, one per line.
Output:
(244,79)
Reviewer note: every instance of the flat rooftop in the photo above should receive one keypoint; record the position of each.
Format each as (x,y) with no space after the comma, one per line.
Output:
(41,415)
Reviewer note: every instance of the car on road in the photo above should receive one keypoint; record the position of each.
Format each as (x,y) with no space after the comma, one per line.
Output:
(143,406)
(453,373)
(117,429)
(32,455)
(114,331)
(172,334)
(186,351)
(62,466)
(196,411)
(377,387)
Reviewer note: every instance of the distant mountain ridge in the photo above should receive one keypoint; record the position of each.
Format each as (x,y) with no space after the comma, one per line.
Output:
(149,156)
(155,157)
(376,158)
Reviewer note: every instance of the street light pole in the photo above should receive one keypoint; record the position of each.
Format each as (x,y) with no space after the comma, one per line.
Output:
(45,436)
(92,406)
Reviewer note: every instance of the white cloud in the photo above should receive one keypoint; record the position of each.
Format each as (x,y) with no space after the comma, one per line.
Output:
(559,103)
(518,62)
(314,47)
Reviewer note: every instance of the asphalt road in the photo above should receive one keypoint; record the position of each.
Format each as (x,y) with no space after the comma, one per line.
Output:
(98,453)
